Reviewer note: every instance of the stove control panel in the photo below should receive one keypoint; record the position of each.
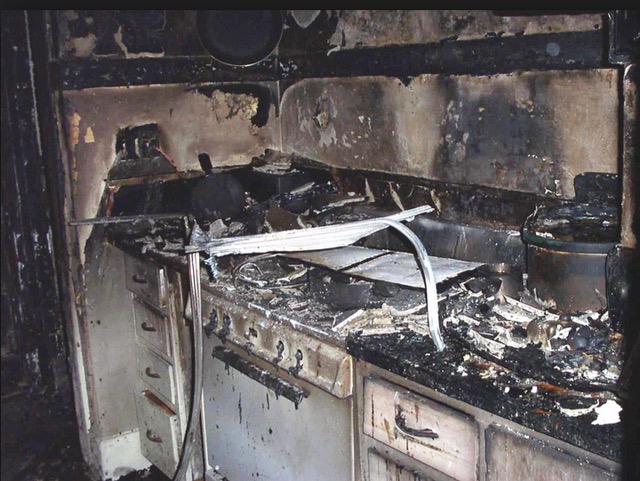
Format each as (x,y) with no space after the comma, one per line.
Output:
(280,343)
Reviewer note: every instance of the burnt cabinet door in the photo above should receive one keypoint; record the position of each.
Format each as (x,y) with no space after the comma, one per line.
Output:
(511,457)
(161,387)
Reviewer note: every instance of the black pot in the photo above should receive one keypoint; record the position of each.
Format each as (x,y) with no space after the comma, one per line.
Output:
(240,38)
(217,196)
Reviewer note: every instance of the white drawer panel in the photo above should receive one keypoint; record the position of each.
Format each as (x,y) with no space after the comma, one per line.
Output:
(147,281)
(395,417)
(151,327)
(159,432)
(157,374)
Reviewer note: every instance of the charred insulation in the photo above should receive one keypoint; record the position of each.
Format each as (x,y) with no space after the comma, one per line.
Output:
(263,94)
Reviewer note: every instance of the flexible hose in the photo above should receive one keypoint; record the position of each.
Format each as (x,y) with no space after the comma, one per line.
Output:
(194,416)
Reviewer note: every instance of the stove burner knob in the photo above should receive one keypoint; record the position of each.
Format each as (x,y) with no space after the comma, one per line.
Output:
(298,367)
(279,351)
(213,323)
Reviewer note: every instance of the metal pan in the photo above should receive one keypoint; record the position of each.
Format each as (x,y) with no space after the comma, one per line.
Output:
(240,38)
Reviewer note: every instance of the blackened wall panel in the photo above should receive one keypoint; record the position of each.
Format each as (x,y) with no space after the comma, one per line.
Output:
(29,283)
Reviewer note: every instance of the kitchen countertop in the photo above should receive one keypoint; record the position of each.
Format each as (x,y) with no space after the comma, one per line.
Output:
(457,372)
(472,379)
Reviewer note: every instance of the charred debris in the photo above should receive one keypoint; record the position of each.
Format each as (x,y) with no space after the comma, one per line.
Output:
(503,331)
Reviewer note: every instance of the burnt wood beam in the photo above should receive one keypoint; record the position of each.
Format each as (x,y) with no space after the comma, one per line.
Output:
(492,55)
(30,293)
(116,72)
(488,56)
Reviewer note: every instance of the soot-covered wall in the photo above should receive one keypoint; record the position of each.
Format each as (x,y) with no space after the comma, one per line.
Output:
(191,121)
(526,131)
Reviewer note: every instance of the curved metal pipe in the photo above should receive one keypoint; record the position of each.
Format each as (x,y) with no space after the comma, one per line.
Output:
(429,279)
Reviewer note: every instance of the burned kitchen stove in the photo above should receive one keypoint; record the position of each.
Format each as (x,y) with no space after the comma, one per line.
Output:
(506,350)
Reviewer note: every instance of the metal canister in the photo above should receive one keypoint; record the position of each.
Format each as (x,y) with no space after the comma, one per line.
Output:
(567,250)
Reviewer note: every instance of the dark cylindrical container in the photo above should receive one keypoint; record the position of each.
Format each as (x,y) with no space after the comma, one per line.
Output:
(567,250)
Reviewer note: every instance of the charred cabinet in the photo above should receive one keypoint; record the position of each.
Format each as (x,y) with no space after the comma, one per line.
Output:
(159,326)
(412,433)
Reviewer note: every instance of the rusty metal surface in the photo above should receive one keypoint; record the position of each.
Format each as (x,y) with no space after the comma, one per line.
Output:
(630,140)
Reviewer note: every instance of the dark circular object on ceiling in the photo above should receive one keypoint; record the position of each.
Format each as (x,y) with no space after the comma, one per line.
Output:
(240,38)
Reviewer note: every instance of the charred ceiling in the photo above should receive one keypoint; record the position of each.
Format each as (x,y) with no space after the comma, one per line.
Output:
(153,46)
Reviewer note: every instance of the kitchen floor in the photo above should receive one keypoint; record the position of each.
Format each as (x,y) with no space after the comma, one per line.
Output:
(39,436)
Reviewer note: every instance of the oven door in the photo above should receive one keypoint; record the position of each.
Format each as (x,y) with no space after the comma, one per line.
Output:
(290,430)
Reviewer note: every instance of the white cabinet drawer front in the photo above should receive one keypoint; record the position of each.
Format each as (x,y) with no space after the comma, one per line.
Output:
(159,432)
(383,469)
(147,281)
(511,457)
(151,327)
(401,418)
(157,374)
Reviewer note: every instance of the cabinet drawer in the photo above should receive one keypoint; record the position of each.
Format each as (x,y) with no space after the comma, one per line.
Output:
(147,281)
(159,432)
(395,417)
(151,327)
(157,374)
(383,469)
(511,457)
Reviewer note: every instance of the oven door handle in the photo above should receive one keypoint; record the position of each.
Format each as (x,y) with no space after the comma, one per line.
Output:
(280,386)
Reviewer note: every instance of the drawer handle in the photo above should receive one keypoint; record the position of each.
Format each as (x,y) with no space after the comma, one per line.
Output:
(138,279)
(154,438)
(147,327)
(152,374)
(418,433)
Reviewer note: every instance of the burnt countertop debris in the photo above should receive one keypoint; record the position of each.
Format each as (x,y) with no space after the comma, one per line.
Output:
(556,374)
(507,351)
(512,357)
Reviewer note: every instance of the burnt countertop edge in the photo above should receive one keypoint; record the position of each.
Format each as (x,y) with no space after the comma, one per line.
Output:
(237,298)
(554,425)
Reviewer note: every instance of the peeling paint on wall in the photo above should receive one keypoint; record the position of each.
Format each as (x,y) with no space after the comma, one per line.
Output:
(226,105)
(190,123)
(127,33)
(374,28)
(530,132)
